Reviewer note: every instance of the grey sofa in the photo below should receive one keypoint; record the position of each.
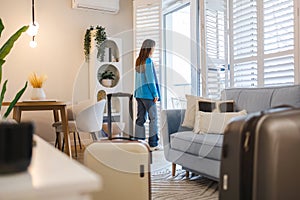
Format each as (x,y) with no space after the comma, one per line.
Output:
(201,153)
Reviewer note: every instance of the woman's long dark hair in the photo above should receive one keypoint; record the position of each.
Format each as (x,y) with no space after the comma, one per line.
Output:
(147,45)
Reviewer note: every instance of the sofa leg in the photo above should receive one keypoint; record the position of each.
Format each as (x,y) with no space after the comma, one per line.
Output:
(173,169)
(187,174)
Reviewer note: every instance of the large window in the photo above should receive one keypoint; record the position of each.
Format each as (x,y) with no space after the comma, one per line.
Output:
(177,55)
(239,43)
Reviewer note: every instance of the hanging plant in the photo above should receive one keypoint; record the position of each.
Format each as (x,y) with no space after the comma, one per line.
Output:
(87,43)
(100,36)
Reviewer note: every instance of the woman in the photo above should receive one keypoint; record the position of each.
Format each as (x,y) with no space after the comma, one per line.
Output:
(147,94)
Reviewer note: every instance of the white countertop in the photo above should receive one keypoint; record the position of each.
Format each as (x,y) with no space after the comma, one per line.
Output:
(51,175)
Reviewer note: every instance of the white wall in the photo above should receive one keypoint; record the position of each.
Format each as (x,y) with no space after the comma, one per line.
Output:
(59,54)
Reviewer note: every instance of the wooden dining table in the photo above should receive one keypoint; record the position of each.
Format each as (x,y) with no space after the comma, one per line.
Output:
(58,107)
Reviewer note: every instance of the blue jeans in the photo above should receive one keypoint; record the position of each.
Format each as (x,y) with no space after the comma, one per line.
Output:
(146,107)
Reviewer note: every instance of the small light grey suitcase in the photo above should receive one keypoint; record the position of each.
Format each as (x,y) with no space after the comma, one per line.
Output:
(124,166)
(260,158)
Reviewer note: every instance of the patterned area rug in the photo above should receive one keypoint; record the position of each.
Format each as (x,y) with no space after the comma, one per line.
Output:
(166,187)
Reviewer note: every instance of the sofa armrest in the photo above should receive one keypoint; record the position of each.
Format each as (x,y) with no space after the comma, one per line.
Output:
(171,121)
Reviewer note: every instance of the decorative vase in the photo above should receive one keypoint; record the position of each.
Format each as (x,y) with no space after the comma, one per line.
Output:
(107,82)
(38,94)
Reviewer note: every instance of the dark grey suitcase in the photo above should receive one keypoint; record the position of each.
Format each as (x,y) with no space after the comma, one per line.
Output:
(260,157)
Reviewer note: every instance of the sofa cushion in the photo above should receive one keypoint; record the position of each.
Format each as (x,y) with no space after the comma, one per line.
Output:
(250,99)
(289,95)
(257,99)
(203,145)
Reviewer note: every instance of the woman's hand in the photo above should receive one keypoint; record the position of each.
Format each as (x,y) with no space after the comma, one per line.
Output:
(155,99)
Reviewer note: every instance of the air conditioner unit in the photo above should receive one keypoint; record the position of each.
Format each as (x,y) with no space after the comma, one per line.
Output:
(107,6)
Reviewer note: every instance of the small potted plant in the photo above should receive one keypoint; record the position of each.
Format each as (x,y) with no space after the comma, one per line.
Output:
(37,82)
(107,78)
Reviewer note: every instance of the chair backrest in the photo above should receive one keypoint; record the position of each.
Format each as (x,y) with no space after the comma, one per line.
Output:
(91,118)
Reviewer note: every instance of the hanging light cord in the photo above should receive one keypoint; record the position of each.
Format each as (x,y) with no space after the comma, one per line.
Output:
(33,12)
(33,28)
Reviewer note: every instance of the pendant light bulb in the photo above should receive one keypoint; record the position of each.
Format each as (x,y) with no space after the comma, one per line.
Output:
(33,43)
(33,29)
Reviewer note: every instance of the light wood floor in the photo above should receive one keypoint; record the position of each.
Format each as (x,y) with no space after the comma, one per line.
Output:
(80,153)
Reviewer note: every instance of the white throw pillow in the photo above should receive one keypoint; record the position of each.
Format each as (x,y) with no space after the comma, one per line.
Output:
(189,117)
(214,122)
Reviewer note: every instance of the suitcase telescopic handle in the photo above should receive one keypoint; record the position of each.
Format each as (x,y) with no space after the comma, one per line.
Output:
(109,120)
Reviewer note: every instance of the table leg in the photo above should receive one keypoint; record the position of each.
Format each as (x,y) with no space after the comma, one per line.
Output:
(64,120)
(56,119)
(17,114)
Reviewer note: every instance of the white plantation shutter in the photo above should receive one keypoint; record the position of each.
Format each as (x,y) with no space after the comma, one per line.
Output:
(279,70)
(244,35)
(263,43)
(244,29)
(215,47)
(278,42)
(245,74)
(147,25)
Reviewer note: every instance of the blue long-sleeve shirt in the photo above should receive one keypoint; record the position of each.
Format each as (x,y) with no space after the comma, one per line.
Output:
(146,86)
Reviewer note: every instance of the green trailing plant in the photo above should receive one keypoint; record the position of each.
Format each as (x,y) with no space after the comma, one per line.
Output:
(87,43)
(108,75)
(100,36)
(4,51)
